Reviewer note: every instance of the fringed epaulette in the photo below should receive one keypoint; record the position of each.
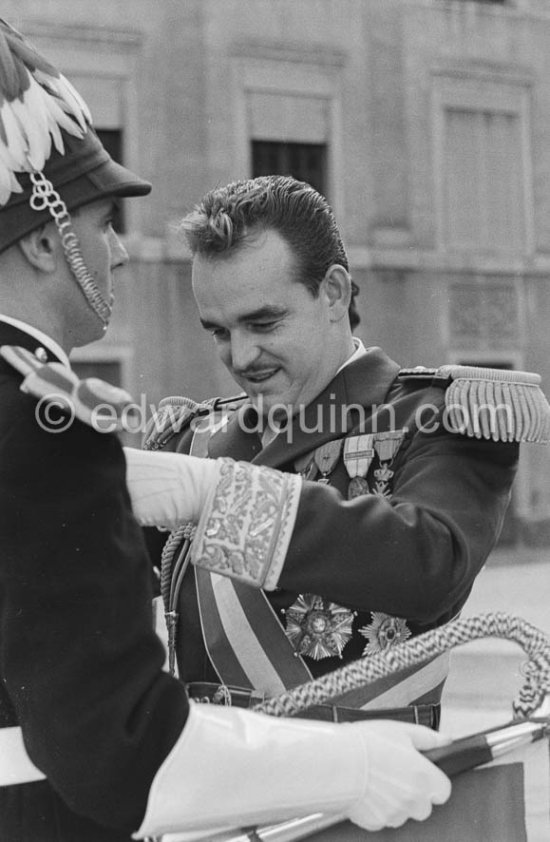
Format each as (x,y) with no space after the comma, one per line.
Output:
(63,396)
(492,403)
(175,413)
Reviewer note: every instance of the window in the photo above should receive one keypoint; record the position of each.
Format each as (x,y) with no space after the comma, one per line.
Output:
(108,370)
(483,192)
(304,161)
(482,161)
(111,364)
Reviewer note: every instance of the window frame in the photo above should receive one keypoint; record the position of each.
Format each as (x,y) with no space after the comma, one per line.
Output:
(493,92)
(285,149)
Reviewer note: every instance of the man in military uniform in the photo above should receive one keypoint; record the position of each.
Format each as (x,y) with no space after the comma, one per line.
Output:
(406,474)
(97,742)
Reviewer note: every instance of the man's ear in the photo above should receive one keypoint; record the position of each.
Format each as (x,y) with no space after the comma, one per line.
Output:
(41,248)
(336,286)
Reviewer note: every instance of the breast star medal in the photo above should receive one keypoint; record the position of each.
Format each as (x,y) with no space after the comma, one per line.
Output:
(384,632)
(318,628)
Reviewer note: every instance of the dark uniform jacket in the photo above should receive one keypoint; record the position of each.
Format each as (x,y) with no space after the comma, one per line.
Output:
(80,665)
(412,549)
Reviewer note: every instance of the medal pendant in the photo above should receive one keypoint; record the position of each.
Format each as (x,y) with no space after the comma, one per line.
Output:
(358,456)
(358,487)
(326,458)
(306,467)
(387,444)
(383,476)
(311,472)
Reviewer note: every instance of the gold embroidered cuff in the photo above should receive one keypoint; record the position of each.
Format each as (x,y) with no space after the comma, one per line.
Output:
(246,525)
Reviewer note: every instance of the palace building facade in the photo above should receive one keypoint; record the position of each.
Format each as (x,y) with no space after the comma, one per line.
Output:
(425,122)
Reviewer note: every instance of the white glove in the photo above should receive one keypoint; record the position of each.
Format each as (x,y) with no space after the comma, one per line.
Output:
(167,489)
(236,768)
(261,504)
(401,784)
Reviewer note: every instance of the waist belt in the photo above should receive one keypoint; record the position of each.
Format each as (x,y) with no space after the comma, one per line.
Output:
(221,694)
(16,767)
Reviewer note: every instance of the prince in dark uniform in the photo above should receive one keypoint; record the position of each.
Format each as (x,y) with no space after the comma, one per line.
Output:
(97,742)
(406,473)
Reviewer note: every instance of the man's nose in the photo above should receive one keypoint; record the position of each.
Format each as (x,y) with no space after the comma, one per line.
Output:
(244,351)
(118,251)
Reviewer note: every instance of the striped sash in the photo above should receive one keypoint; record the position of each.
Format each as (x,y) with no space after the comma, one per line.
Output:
(244,638)
(412,686)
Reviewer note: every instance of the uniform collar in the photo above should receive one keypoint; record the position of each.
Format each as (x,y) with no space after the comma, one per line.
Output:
(362,382)
(38,337)
(359,351)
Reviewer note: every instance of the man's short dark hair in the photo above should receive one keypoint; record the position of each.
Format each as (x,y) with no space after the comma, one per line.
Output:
(229,217)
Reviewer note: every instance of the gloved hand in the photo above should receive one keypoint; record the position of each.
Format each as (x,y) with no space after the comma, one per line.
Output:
(170,489)
(167,489)
(401,783)
(236,768)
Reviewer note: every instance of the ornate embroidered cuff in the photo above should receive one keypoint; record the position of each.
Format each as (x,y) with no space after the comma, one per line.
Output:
(246,526)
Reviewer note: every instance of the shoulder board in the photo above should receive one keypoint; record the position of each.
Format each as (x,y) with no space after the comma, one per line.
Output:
(176,412)
(419,372)
(24,361)
(493,403)
(104,407)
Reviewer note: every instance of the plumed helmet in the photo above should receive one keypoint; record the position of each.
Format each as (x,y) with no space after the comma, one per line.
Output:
(51,160)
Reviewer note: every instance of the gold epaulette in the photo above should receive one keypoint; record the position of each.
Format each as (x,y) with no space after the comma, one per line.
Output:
(492,403)
(176,412)
(104,407)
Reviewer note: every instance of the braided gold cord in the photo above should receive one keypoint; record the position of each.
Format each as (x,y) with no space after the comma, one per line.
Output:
(171,580)
(183,533)
(422,648)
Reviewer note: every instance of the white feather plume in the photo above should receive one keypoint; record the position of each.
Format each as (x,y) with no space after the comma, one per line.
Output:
(36,104)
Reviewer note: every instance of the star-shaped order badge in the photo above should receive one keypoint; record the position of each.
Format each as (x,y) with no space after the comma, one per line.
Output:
(318,628)
(384,631)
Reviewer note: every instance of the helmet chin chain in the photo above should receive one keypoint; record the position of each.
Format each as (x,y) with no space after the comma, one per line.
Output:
(44,197)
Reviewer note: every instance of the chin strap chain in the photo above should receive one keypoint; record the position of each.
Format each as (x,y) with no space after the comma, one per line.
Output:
(44,197)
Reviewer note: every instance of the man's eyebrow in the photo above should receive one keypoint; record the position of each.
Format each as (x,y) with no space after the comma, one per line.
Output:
(269,311)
